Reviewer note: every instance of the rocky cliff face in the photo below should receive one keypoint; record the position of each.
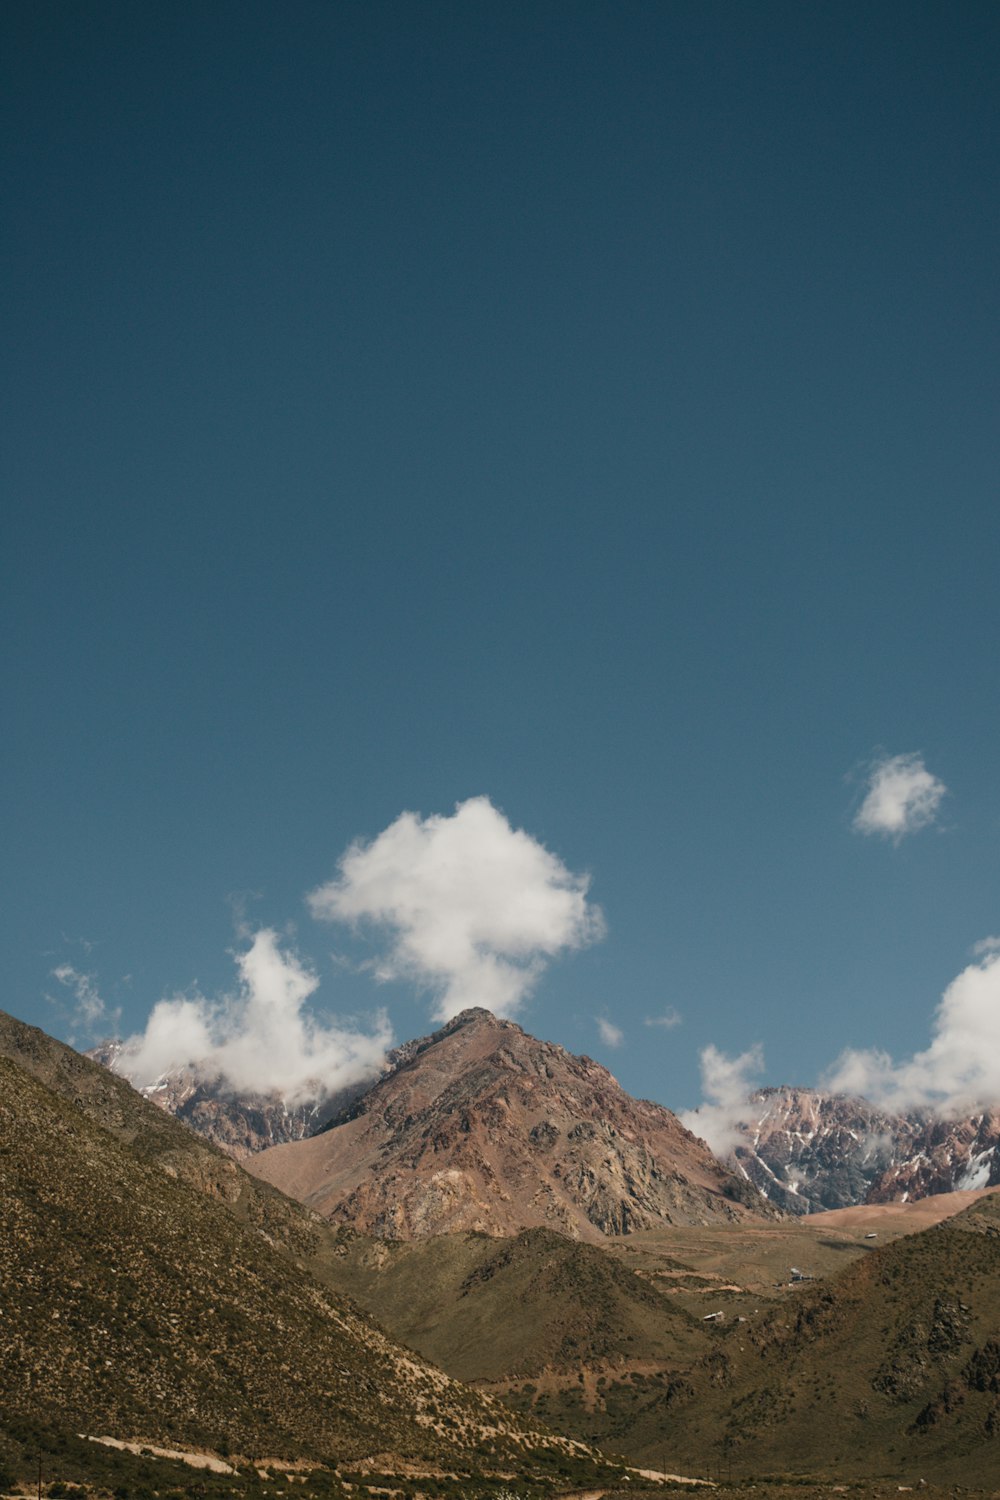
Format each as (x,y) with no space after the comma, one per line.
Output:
(485,1128)
(944,1156)
(808,1151)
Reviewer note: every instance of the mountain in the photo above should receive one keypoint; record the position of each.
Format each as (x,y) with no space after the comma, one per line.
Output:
(239,1124)
(152,1292)
(804,1150)
(944,1155)
(808,1151)
(484,1128)
(889,1370)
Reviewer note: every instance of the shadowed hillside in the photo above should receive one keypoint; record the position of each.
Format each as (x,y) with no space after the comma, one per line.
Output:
(137,1303)
(890,1369)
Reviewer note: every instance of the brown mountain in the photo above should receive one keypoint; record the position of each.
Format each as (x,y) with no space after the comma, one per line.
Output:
(485,1128)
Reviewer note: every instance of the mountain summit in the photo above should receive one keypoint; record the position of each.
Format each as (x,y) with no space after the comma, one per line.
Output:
(483,1127)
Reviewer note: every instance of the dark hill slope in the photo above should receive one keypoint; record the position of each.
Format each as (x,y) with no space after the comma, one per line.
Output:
(136,1304)
(506,1309)
(890,1369)
(155,1137)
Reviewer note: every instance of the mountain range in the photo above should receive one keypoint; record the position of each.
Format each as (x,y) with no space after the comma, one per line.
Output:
(804,1150)
(156,1294)
(808,1151)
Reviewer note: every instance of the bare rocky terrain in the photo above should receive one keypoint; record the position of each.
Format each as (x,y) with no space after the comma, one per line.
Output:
(805,1150)
(808,1151)
(486,1128)
(240,1124)
(945,1156)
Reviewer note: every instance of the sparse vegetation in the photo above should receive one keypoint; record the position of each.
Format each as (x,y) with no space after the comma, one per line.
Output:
(138,1300)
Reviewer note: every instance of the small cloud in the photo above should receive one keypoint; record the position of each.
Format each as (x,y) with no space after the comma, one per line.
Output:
(259,1039)
(473,909)
(902,798)
(668,1019)
(726,1083)
(90,1012)
(611,1035)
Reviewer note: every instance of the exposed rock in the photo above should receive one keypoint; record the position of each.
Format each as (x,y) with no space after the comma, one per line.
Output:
(483,1127)
(944,1155)
(809,1151)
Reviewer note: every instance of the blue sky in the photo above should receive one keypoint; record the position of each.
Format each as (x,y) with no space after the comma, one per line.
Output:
(591,408)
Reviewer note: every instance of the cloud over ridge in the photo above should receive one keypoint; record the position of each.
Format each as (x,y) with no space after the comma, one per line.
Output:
(726,1084)
(473,909)
(258,1039)
(960,1070)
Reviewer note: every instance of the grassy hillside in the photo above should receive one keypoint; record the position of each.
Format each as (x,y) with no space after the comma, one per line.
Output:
(155,1137)
(138,1304)
(891,1368)
(501,1309)
(610,1345)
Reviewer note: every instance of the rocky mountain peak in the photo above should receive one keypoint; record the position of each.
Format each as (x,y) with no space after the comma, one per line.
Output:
(808,1151)
(484,1127)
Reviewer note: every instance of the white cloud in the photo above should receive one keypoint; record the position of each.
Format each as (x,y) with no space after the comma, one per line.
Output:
(902,798)
(90,1011)
(474,908)
(960,1070)
(611,1035)
(668,1019)
(260,1038)
(726,1083)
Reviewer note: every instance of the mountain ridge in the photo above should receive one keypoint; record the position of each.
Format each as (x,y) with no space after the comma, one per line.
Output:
(809,1151)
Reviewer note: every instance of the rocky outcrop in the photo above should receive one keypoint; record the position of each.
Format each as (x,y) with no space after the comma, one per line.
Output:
(485,1128)
(944,1156)
(240,1124)
(808,1151)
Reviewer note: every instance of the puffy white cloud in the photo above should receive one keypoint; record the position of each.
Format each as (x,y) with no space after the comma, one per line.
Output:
(960,1070)
(611,1035)
(261,1037)
(668,1019)
(90,1010)
(726,1083)
(902,798)
(473,908)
